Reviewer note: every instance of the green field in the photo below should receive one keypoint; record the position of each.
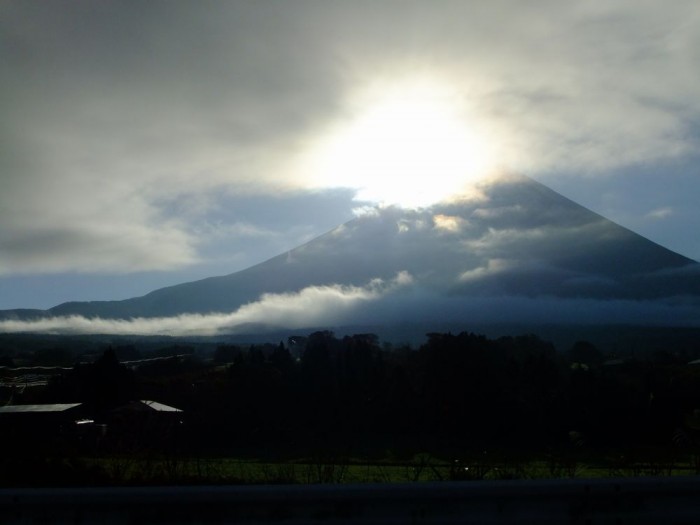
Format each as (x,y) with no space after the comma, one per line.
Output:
(129,470)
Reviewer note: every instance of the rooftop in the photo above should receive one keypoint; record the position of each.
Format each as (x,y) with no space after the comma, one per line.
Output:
(56,407)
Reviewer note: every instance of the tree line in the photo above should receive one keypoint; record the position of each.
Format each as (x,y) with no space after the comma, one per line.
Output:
(354,395)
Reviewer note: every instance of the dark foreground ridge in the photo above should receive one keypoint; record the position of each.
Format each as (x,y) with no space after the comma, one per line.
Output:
(640,501)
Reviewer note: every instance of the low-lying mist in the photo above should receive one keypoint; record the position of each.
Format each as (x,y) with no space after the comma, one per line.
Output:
(380,302)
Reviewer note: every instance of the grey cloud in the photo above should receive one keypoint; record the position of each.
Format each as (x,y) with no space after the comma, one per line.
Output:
(113,108)
(449,224)
(660,213)
(492,268)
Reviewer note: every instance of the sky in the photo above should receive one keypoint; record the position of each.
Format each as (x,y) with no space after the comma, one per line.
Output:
(145,144)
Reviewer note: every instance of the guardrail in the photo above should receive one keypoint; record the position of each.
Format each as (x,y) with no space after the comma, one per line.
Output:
(637,500)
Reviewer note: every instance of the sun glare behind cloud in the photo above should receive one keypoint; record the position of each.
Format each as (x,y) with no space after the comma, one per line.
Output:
(412,143)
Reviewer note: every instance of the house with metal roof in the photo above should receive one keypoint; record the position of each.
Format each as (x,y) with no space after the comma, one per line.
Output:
(34,427)
(143,423)
(145,405)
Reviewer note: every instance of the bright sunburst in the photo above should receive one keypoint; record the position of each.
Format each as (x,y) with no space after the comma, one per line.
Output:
(412,143)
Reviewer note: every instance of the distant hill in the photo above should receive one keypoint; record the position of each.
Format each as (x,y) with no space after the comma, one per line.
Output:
(513,245)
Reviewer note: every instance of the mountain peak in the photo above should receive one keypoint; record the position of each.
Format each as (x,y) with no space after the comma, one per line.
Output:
(513,243)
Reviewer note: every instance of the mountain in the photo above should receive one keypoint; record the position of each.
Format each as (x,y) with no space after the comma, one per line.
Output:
(513,247)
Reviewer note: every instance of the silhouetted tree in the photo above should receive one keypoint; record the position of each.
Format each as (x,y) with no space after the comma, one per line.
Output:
(226,353)
(101,385)
(584,352)
(281,358)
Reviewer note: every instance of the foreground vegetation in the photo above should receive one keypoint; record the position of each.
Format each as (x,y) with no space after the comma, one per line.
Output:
(322,409)
(132,470)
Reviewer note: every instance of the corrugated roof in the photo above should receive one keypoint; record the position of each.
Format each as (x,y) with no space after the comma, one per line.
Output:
(160,407)
(56,407)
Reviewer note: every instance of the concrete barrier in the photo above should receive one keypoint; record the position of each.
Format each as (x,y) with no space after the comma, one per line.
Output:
(639,501)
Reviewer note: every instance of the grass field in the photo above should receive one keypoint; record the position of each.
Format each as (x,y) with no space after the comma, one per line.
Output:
(420,468)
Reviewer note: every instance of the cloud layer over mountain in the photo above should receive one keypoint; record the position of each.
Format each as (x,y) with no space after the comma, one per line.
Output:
(514,251)
(125,125)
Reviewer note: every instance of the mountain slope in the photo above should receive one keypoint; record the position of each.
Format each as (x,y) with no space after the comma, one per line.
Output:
(517,238)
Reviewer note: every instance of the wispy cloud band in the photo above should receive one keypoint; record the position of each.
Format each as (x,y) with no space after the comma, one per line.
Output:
(311,306)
